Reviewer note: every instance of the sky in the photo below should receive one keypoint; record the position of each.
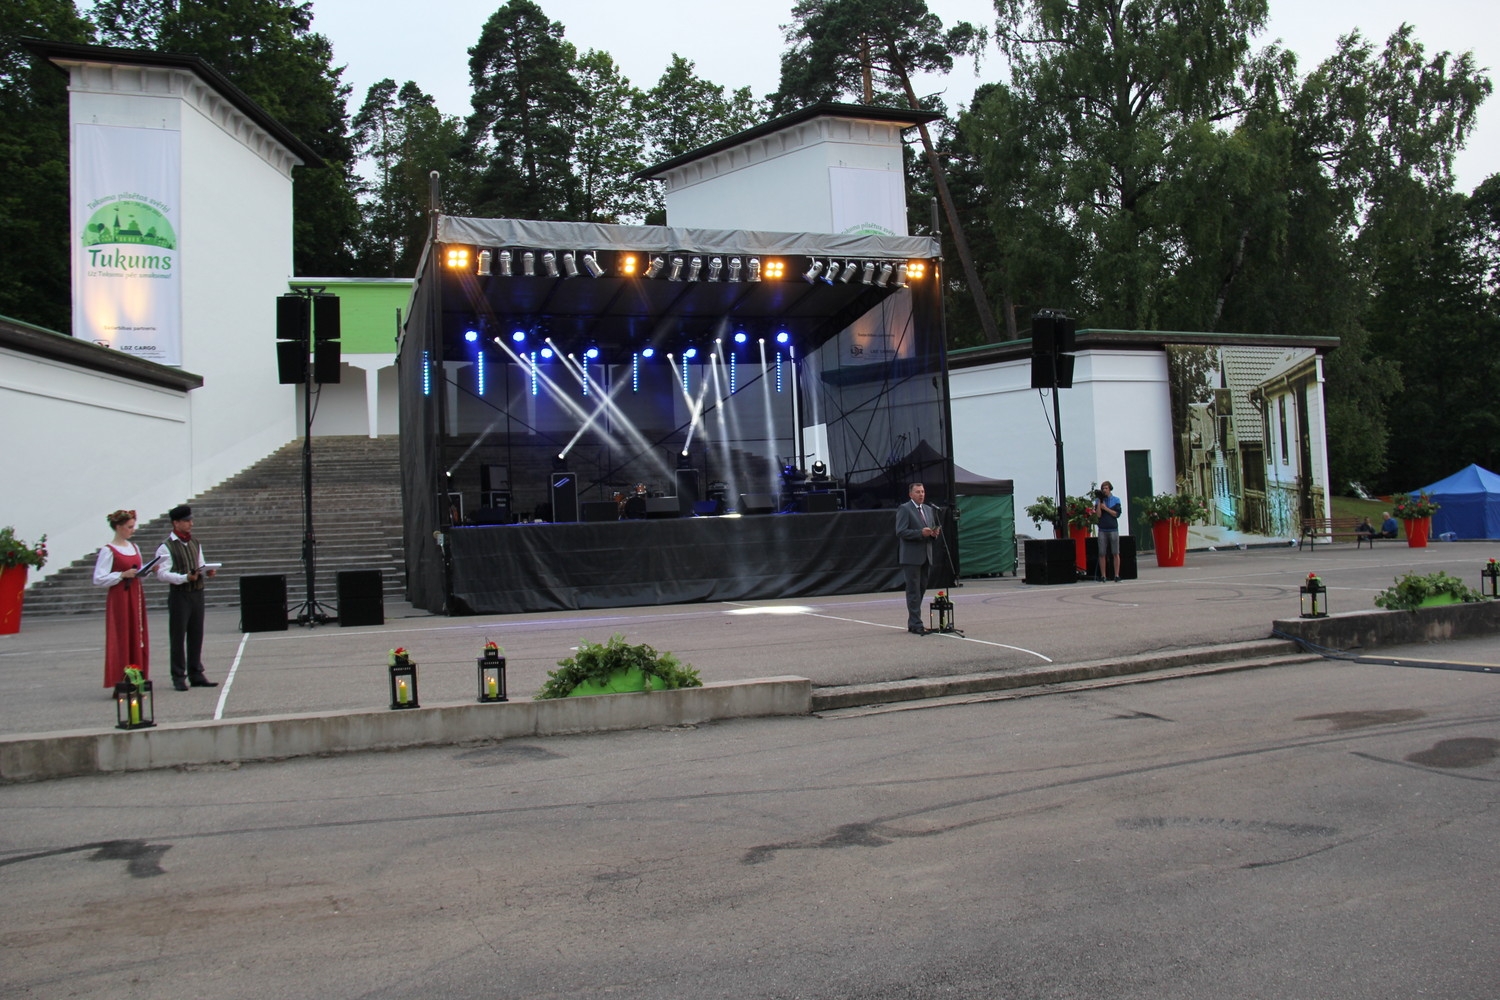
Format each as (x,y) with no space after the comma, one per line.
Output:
(740,44)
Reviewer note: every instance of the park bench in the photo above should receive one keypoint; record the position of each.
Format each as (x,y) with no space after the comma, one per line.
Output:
(1314,528)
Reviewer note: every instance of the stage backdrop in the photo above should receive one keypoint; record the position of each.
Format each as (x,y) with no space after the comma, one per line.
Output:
(126,240)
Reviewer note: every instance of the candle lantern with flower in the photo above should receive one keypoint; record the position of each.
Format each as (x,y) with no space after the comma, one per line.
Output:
(134,708)
(1489,579)
(491,672)
(403,676)
(940,613)
(1313,601)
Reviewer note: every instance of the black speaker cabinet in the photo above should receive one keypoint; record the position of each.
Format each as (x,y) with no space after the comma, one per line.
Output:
(1127,557)
(361,597)
(708,508)
(688,492)
(263,603)
(818,503)
(599,510)
(326,325)
(326,362)
(293,315)
(564,497)
(1051,560)
(657,507)
(757,503)
(291,362)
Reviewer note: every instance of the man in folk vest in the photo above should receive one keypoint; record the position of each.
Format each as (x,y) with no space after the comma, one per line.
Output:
(183,566)
(916,527)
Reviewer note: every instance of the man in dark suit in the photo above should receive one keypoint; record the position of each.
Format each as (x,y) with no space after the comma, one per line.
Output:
(916,527)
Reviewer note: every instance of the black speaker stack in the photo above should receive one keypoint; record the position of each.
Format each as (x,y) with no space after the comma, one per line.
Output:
(361,597)
(1127,557)
(1051,560)
(263,603)
(564,493)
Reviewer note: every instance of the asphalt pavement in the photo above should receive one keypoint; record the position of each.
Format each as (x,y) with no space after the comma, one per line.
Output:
(51,672)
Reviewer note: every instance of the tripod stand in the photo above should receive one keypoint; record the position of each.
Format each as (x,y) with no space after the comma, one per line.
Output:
(310,612)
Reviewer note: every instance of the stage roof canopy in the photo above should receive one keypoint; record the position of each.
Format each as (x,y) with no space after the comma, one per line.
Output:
(706,283)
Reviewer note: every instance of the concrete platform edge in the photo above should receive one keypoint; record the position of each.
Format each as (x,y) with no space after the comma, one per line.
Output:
(44,756)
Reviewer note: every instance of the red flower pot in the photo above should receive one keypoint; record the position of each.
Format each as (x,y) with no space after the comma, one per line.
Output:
(1171,541)
(1080,538)
(12,583)
(1417,530)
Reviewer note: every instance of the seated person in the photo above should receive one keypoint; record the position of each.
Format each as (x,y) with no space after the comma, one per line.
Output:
(1388,527)
(1364,529)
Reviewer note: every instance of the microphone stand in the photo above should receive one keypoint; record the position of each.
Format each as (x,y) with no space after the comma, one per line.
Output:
(942,605)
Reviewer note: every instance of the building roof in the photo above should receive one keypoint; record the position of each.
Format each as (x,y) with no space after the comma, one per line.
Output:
(905,117)
(60,52)
(1136,340)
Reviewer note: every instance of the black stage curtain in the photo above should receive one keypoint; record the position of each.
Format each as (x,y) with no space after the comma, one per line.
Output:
(555,567)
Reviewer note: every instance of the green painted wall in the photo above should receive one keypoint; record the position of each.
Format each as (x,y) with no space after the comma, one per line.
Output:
(367,310)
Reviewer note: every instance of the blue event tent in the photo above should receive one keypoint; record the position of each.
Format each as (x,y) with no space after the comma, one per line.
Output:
(1468,504)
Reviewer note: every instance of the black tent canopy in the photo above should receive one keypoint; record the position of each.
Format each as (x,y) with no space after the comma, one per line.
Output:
(805,342)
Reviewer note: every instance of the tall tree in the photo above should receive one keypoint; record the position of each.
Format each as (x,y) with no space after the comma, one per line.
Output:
(685,111)
(405,137)
(35,283)
(609,143)
(849,47)
(525,102)
(269,50)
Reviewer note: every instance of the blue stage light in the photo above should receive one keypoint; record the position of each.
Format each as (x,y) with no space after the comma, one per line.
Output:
(690,353)
(591,353)
(471,336)
(740,338)
(479,372)
(649,352)
(533,373)
(519,336)
(783,337)
(546,354)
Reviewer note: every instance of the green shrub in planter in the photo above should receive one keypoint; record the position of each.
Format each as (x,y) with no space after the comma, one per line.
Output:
(1411,590)
(616,667)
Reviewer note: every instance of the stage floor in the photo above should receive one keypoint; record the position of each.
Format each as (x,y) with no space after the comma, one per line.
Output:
(505,569)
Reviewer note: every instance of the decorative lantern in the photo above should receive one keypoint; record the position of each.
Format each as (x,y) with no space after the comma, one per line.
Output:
(1489,579)
(491,673)
(1314,599)
(134,708)
(403,680)
(940,613)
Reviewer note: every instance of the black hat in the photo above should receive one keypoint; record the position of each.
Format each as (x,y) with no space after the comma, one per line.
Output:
(182,512)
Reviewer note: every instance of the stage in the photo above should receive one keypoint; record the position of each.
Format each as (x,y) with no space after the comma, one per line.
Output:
(506,569)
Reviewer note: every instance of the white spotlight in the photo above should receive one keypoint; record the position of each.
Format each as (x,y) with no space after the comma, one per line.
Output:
(655,268)
(549,261)
(850,270)
(754,268)
(869,270)
(484,263)
(901,276)
(813,272)
(570,264)
(505,263)
(885,274)
(528,264)
(695,268)
(715,265)
(734,269)
(592,266)
(676,273)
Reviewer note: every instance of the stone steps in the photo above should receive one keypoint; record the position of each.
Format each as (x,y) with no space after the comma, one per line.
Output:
(253,524)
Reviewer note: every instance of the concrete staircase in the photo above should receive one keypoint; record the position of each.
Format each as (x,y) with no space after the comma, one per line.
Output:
(253,524)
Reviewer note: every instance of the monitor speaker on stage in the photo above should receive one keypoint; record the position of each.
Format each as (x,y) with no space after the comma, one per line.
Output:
(564,495)
(599,510)
(494,477)
(263,603)
(687,491)
(757,503)
(818,503)
(657,507)
(361,597)
(708,508)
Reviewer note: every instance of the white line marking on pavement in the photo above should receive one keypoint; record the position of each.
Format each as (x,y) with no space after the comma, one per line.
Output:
(224,691)
(948,635)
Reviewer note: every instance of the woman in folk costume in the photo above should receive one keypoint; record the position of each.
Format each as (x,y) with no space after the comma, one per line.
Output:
(126,643)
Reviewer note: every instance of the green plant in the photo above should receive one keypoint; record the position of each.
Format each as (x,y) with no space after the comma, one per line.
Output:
(1044,511)
(14,552)
(1406,508)
(1081,512)
(1412,589)
(596,662)
(1187,507)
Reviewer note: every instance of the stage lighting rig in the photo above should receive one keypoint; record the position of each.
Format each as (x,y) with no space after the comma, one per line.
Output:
(505,262)
(813,272)
(869,272)
(549,261)
(654,268)
(695,268)
(570,264)
(484,263)
(734,269)
(775,269)
(901,276)
(528,264)
(627,265)
(886,270)
(715,265)
(754,269)
(676,273)
(916,270)
(458,258)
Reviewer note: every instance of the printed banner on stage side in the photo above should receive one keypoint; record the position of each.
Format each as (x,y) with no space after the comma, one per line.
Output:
(127,292)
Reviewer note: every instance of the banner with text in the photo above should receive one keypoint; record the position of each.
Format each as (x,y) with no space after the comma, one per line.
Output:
(126,291)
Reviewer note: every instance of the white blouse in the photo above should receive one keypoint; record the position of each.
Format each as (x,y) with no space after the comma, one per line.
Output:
(104,575)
